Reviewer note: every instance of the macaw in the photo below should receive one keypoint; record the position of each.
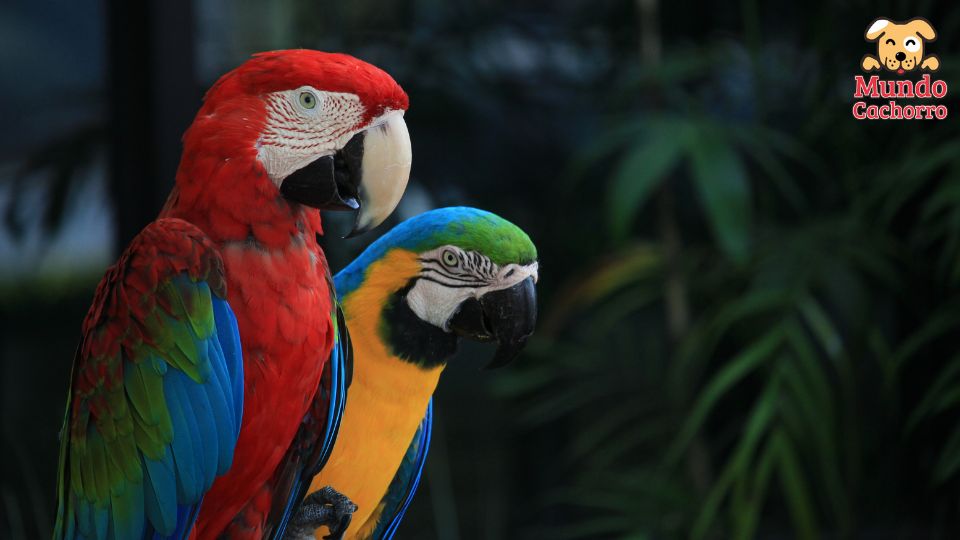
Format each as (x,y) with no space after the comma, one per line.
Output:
(446,274)
(210,377)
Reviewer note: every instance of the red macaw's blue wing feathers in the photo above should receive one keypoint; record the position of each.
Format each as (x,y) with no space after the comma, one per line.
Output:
(406,481)
(156,394)
(313,443)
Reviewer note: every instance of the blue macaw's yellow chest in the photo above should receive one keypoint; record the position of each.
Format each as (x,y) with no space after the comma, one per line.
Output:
(386,401)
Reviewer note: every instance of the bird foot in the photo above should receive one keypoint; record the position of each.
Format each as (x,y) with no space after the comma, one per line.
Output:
(323,508)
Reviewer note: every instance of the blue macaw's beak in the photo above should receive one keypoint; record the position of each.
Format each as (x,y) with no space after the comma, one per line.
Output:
(507,316)
(368,175)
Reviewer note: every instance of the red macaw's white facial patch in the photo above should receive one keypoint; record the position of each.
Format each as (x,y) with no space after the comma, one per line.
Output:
(304,124)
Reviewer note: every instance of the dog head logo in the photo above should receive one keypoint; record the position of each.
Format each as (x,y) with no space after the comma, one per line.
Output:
(900,46)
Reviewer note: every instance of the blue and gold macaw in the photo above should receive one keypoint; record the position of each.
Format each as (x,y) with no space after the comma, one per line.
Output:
(408,299)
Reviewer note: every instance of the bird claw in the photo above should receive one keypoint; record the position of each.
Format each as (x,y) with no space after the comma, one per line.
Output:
(325,507)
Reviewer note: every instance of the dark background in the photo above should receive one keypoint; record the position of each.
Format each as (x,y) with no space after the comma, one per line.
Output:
(749,300)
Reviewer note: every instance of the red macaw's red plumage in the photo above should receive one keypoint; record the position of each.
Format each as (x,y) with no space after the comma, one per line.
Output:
(277,277)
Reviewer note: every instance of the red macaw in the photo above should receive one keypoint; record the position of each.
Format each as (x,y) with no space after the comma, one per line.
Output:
(223,309)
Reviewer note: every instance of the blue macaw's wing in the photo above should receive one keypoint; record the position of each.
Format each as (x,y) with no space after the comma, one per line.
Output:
(313,443)
(156,394)
(405,482)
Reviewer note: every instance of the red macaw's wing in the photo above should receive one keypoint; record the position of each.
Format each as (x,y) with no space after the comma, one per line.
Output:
(313,443)
(156,394)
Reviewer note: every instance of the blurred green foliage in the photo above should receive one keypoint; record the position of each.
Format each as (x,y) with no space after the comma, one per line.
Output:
(803,374)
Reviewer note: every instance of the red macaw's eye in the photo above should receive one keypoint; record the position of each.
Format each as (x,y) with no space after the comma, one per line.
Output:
(308,100)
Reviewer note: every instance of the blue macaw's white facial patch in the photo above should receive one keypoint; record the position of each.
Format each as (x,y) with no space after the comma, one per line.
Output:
(450,275)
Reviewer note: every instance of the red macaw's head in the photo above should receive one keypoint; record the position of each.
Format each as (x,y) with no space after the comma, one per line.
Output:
(327,129)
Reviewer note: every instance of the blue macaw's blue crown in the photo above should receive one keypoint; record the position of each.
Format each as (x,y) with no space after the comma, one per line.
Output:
(467,228)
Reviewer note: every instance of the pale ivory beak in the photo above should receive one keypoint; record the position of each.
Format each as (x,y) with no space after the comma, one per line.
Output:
(384,171)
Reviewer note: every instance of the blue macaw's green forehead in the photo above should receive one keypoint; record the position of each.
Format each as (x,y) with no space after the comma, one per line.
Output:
(467,228)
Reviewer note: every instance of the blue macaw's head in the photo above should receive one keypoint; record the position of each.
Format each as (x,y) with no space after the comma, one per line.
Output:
(452,272)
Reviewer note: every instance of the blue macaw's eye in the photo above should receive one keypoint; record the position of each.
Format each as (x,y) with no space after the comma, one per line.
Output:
(450,258)
(308,100)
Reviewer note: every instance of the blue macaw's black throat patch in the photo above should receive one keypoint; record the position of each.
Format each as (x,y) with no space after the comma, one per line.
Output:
(412,339)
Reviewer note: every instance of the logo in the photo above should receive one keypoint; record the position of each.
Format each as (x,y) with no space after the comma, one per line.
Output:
(900,46)
(901,51)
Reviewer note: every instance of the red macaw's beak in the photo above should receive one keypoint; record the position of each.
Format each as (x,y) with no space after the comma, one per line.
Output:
(368,175)
(507,316)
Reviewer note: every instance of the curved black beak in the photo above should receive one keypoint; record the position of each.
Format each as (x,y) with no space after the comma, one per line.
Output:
(329,182)
(507,316)
(368,175)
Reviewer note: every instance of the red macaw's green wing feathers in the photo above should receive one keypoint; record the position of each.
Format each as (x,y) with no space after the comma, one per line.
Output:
(157,392)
